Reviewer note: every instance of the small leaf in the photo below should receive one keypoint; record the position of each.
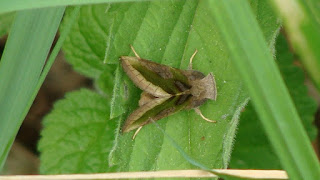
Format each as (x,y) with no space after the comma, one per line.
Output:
(85,46)
(252,149)
(77,135)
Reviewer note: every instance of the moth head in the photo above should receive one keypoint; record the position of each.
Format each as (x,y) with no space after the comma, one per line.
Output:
(204,88)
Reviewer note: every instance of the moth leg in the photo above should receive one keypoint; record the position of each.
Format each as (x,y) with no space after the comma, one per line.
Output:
(191,58)
(135,53)
(197,110)
(135,133)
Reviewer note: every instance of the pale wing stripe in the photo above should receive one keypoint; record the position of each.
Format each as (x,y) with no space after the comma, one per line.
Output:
(139,80)
(138,113)
(143,109)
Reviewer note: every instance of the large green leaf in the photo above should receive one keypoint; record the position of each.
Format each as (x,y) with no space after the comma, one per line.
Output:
(166,41)
(167,32)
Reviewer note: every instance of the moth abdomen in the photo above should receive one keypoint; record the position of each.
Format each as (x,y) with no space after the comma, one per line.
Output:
(165,113)
(183,98)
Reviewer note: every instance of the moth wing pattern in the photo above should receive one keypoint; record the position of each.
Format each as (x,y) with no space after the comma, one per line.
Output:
(166,90)
(129,65)
(156,109)
(145,98)
(166,81)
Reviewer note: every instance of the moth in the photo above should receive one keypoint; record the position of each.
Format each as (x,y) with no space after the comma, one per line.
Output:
(166,90)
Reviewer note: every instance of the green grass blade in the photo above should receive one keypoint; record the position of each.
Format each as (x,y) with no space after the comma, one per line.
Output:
(272,101)
(55,51)
(5,23)
(302,23)
(16,5)
(24,56)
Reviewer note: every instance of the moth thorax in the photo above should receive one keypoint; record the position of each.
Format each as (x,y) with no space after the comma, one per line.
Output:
(204,88)
(197,89)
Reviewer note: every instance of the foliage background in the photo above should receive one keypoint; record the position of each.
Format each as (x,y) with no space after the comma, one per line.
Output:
(81,133)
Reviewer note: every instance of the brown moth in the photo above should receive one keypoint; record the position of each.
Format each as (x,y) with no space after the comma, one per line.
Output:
(166,90)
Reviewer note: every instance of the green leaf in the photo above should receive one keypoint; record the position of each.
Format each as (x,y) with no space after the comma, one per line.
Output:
(85,46)
(172,42)
(5,23)
(167,32)
(252,149)
(77,135)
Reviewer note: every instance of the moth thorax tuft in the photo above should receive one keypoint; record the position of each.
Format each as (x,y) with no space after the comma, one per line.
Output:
(197,89)
(204,88)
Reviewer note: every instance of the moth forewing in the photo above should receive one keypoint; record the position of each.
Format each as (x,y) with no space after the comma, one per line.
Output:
(145,98)
(129,64)
(137,119)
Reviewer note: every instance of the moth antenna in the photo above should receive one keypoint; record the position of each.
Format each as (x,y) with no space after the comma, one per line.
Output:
(135,133)
(135,53)
(191,58)
(202,116)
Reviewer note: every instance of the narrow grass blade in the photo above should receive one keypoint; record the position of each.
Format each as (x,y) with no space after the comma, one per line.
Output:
(54,53)
(16,5)
(302,23)
(272,101)
(24,56)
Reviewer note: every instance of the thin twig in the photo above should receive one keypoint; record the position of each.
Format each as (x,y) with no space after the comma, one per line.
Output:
(256,174)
